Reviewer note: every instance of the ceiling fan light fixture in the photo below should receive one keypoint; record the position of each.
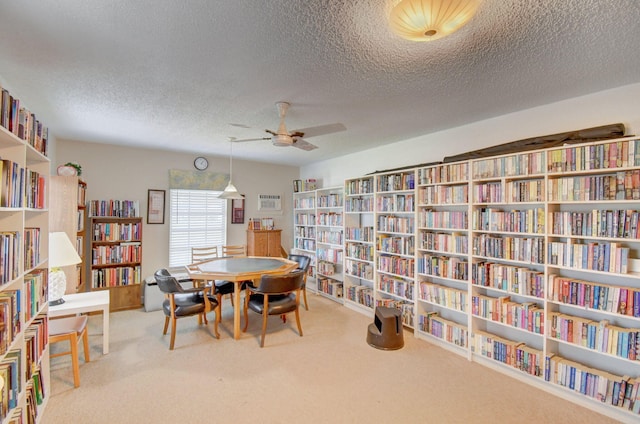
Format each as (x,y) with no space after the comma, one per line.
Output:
(428,20)
(281,140)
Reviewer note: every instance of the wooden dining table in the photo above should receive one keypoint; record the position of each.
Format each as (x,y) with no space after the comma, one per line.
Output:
(238,269)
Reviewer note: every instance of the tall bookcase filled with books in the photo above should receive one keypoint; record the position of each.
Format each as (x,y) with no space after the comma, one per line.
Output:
(395,242)
(593,273)
(115,246)
(329,242)
(359,267)
(442,254)
(508,256)
(304,231)
(24,243)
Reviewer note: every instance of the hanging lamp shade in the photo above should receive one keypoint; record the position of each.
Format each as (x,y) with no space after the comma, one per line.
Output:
(428,20)
(230,191)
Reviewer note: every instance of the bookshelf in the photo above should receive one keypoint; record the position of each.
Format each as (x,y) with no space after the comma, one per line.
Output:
(304,231)
(115,247)
(395,242)
(330,242)
(24,236)
(442,255)
(527,263)
(67,213)
(359,244)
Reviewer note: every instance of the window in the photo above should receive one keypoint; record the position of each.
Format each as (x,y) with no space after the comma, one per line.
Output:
(197,218)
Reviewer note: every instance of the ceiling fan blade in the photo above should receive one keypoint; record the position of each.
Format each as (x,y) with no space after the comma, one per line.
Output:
(320,130)
(304,145)
(251,139)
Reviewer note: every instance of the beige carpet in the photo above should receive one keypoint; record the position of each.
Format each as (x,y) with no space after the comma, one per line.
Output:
(330,375)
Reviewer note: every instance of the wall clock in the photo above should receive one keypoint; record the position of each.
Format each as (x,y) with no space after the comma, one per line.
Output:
(201,163)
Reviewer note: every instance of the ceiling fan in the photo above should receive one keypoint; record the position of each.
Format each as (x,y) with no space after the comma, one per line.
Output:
(284,138)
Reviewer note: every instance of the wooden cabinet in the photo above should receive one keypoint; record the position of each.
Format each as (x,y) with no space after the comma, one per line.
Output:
(67,214)
(263,243)
(115,248)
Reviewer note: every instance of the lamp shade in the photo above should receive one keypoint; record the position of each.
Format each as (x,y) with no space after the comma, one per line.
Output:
(61,251)
(428,20)
(230,192)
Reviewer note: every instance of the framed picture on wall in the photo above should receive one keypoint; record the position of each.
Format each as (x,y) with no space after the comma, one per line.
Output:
(237,211)
(155,206)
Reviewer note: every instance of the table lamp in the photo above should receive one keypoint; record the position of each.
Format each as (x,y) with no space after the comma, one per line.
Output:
(61,253)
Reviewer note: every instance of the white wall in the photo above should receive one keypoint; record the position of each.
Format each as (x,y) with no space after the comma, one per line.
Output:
(620,105)
(117,172)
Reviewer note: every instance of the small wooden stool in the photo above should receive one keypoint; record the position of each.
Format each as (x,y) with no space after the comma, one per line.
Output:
(71,329)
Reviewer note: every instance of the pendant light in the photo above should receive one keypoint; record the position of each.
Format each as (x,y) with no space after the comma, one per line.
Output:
(230,192)
(428,20)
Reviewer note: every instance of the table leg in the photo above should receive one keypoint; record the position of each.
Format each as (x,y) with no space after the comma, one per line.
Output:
(236,309)
(105,330)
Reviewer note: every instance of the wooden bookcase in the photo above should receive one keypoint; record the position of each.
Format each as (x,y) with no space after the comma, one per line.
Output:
(115,247)
(329,242)
(24,236)
(359,266)
(304,231)
(67,214)
(264,243)
(395,242)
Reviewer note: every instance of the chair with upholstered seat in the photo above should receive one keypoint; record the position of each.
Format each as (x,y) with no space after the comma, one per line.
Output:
(70,329)
(303,264)
(274,295)
(181,302)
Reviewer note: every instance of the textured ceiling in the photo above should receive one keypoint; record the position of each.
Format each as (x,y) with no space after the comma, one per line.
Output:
(175,75)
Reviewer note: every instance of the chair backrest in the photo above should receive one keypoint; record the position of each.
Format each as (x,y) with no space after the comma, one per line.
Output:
(201,254)
(234,250)
(303,261)
(167,283)
(283,283)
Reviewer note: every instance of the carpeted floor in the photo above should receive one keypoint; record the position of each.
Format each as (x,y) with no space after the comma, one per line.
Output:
(330,375)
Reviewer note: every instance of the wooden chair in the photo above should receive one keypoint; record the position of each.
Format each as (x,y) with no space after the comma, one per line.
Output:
(201,254)
(275,295)
(70,329)
(303,264)
(182,302)
(234,250)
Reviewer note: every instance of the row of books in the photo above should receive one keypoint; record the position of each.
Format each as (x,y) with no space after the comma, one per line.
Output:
(514,354)
(113,277)
(401,266)
(334,256)
(330,219)
(600,336)
(304,202)
(399,245)
(329,237)
(446,173)
(330,200)
(444,242)
(602,297)
(119,254)
(396,224)
(396,203)
(21,187)
(606,257)
(443,195)
(116,231)
(11,372)
(527,316)
(305,219)
(514,221)
(305,232)
(114,208)
(522,164)
(261,224)
(364,252)
(396,286)
(395,182)
(359,186)
(443,219)
(354,204)
(359,269)
(620,223)
(618,154)
(444,329)
(405,307)
(22,123)
(524,191)
(360,294)
(523,249)
(361,234)
(623,185)
(10,307)
(444,296)
(509,278)
(35,292)
(305,185)
(443,267)
(330,286)
(620,391)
